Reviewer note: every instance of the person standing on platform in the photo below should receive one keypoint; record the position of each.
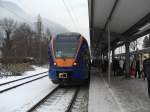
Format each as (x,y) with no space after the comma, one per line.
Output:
(138,68)
(121,63)
(133,69)
(114,66)
(146,67)
(144,74)
(105,65)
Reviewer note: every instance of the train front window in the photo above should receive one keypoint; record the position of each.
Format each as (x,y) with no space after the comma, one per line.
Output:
(65,48)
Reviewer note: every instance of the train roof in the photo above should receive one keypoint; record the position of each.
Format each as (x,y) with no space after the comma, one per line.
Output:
(69,34)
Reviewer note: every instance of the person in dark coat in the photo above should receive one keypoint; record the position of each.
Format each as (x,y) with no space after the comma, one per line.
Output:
(138,72)
(146,67)
(115,65)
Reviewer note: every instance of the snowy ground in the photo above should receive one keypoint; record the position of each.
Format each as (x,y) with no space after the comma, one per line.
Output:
(22,98)
(35,70)
(124,95)
(58,101)
(81,102)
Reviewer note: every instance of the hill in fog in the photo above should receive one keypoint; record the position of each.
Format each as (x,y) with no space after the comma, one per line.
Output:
(9,9)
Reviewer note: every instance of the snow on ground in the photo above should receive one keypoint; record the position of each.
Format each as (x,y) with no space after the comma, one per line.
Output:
(20,82)
(123,95)
(81,102)
(57,102)
(22,98)
(35,70)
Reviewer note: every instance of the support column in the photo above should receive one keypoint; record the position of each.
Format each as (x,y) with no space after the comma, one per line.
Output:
(109,51)
(113,54)
(106,56)
(100,59)
(127,58)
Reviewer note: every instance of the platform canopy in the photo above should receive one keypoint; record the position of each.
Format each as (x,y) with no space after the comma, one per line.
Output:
(128,20)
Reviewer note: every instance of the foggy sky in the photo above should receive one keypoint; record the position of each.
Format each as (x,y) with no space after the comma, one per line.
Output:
(76,19)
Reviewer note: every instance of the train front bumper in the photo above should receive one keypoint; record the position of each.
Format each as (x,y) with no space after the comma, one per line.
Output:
(68,76)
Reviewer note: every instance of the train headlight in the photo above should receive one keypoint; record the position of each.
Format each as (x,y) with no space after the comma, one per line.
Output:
(74,64)
(55,63)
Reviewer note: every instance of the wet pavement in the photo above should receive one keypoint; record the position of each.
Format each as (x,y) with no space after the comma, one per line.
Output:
(123,95)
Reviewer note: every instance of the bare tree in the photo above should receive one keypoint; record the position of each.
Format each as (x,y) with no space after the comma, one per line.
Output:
(8,25)
(26,44)
(1,42)
(1,38)
(22,40)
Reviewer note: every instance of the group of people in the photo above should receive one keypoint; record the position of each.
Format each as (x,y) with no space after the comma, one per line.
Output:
(137,69)
(118,66)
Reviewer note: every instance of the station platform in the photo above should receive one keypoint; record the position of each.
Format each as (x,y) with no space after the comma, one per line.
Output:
(123,95)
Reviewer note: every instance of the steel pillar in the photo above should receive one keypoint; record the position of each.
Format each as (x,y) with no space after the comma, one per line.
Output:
(109,51)
(127,58)
(113,54)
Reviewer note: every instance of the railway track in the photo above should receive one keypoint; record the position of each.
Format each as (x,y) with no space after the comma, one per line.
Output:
(19,82)
(60,99)
(22,78)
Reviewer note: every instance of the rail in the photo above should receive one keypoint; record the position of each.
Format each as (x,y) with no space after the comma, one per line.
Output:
(20,84)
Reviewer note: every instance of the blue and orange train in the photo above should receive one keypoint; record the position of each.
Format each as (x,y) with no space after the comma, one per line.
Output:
(69,59)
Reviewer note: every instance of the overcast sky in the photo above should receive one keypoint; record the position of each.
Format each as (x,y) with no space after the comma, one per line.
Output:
(73,14)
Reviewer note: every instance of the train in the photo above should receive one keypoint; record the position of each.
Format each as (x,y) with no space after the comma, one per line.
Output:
(69,59)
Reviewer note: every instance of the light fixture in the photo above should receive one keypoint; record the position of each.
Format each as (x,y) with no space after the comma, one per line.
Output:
(145,27)
(55,63)
(74,64)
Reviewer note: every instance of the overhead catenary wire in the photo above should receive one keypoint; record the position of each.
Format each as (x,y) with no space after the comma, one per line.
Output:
(70,14)
(74,14)
(69,9)
(23,5)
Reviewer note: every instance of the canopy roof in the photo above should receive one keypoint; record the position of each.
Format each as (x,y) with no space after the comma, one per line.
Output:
(128,20)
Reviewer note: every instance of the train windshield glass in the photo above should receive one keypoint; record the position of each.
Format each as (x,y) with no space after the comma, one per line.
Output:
(65,47)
